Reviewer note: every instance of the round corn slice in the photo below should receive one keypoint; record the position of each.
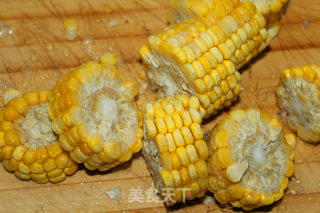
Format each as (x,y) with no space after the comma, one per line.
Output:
(298,96)
(29,148)
(175,151)
(96,117)
(250,159)
(200,56)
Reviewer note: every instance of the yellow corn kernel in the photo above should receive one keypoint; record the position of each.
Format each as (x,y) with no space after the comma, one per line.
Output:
(158,111)
(167,178)
(184,99)
(187,135)
(176,178)
(186,118)
(176,163)
(177,104)
(196,131)
(22,175)
(217,54)
(201,167)
(31,98)
(194,102)
(204,100)
(192,153)
(178,138)
(94,143)
(166,161)
(162,143)
(208,81)
(54,149)
(62,161)
(192,171)
(171,142)
(151,128)
(148,111)
(20,104)
(168,108)
(169,123)
(70,26)
(29,157)
(224,157)
(42,154)
(10,113)
(182,153)
(184,176)
(202,149)
(58,179)
(112,149)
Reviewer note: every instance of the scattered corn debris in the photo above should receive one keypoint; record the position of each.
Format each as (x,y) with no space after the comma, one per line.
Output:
(114,193)
(113,23)
(110,58)
(71,28)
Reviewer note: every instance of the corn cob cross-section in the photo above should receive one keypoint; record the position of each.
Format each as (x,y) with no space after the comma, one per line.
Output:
(174,148)
(200,56)
(95,115)
(28,145)
(299,97)
(250,159)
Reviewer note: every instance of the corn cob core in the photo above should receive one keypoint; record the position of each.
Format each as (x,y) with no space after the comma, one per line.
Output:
(250,159)
(174,148)
(36,126)
(95,115)
(28,146)
(298,96)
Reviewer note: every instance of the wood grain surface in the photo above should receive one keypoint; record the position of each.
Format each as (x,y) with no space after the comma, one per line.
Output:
(36,55)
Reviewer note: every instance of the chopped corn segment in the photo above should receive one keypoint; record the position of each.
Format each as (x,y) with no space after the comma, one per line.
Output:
(250,159)
(28,146)
(176,158)
(200,56)
(96,117)
(299,97)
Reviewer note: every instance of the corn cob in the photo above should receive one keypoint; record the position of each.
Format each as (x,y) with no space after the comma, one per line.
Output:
(28,146)
(95,115)
(250,159)
(299,96)
(200,56)
(174,148)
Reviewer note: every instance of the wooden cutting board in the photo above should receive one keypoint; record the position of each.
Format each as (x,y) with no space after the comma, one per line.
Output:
(36,55)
